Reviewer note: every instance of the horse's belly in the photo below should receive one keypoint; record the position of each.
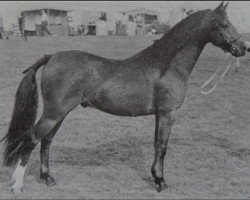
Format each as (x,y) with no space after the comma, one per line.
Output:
(126,99)
(125,109)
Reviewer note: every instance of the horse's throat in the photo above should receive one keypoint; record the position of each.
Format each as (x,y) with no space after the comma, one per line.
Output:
(185,60)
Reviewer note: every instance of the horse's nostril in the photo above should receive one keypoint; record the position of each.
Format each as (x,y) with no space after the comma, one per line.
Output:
(244,48)
(233,49)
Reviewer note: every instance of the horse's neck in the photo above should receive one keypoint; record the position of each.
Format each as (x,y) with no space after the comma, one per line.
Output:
(180,48)
(164,54)
(185,60)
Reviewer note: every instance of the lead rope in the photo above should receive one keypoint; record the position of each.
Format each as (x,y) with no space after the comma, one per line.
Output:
(212,77)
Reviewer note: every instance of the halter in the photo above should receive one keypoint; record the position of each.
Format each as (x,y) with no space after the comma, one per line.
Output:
(229,41)
(226,39)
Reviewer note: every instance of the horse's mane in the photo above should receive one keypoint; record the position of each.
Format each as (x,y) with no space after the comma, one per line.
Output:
(175,39)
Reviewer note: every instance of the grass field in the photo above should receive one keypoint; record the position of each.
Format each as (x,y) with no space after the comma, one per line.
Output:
(97,155)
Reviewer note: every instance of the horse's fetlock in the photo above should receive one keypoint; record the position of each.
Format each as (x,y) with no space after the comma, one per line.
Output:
(159,180)
(44,175)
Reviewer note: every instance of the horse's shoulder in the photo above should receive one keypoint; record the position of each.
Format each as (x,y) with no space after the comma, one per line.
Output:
(170,88)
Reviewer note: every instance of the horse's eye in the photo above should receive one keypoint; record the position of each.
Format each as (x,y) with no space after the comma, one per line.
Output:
(224,25)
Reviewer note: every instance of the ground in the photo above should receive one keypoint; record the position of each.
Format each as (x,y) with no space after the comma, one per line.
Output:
(97,155)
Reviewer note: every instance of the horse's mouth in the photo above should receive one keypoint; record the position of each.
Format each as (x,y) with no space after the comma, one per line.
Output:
(238,53)
(237,50)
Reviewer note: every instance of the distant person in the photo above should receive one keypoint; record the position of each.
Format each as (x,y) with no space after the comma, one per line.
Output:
(21,22)
(130,18)
(139,27)
(118,23)
(44,21)
(131,29)
(189,12)
(124,24)
(154,27)
(103,16)
(2,32)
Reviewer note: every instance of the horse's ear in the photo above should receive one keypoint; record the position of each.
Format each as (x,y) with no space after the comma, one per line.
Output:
(225,6)
(220,7)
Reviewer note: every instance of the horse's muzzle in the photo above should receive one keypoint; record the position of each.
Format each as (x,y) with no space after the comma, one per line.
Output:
(238,50)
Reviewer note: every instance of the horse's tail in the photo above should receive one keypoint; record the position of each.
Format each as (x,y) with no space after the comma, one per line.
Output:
(24,112)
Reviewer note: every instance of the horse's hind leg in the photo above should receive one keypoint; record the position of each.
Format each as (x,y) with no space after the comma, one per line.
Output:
(33,137)
(53,114)
(44,155)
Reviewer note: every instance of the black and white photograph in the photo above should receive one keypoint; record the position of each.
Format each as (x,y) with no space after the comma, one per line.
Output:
(125,100)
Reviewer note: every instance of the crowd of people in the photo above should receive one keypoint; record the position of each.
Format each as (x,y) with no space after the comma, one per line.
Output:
(129,25)
(126,25)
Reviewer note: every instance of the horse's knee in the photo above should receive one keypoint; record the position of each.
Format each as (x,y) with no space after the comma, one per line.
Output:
(32,137)
(46,141)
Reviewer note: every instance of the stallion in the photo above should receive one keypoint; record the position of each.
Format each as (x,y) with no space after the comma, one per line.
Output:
(153,81)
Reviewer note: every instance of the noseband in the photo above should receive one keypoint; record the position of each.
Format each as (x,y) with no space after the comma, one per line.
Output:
(226,39)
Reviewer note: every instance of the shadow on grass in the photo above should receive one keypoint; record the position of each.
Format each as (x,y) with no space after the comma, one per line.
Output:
(126,151)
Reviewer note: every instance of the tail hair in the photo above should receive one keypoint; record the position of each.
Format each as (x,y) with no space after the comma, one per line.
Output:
(24,112)
(23,117)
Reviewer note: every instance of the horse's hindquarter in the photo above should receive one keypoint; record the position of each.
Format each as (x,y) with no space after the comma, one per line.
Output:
(70,76)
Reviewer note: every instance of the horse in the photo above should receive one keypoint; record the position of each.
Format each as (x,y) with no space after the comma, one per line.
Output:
(151,82)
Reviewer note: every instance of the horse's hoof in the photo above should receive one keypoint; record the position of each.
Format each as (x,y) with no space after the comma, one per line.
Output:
(50,181)
(162,186)
(160,182)
(17,190)
(47,179)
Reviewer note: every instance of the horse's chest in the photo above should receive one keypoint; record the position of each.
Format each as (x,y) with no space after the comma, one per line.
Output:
(170,91)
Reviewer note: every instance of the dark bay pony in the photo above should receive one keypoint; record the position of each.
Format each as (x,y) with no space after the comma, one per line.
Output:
(153,81)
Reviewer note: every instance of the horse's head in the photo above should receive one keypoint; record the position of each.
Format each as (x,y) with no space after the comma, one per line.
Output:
(223,34)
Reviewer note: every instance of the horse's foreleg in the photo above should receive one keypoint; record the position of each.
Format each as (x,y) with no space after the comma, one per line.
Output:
(44,155)
(32,138)
(164,123)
